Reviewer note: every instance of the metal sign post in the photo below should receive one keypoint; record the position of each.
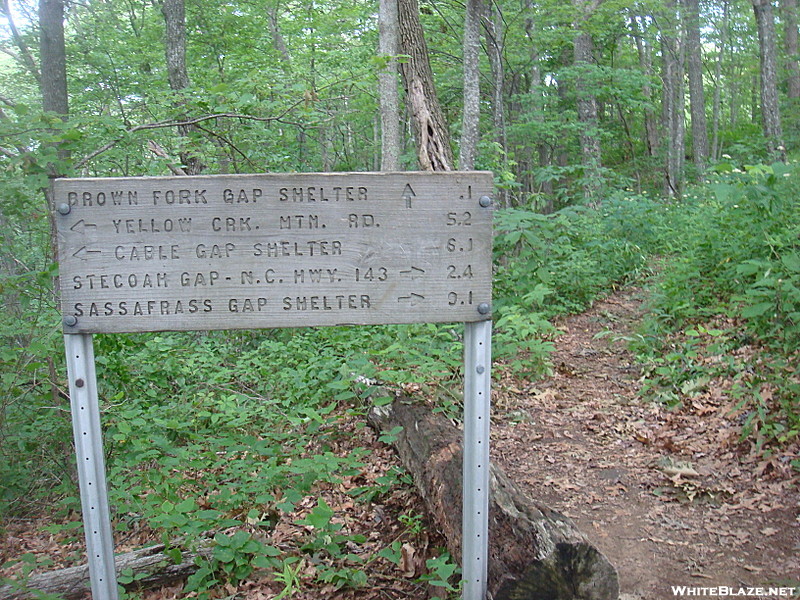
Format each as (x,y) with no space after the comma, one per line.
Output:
(475,516)
(91,465)
(275,250)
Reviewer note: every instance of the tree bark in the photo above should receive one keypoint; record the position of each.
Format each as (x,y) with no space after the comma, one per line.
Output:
(388,96)
(494,28)
(770,110)
(53,85)
(646,65)
(494,46)
(715,114)
(433,140)
(149,564)
(472,110)
(53,57)
(536,90)
(175,49)
(697,98)
(534,552)
(672,102)
(587,109)
(174,13)
(277,37)
(789,14)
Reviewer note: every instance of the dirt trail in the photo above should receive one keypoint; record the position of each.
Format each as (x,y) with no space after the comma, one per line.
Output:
(666,506)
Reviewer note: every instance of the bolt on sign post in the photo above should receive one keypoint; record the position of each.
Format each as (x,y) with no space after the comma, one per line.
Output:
(275,250)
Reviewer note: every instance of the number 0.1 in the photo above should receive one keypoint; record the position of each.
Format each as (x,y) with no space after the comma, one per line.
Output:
(453,299)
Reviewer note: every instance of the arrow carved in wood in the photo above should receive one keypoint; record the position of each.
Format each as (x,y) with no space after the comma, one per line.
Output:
(414,299)
(408,194)
(82,251)
(415,272)
(81,226)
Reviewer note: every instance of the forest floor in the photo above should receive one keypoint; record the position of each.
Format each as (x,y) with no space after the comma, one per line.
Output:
(670,496)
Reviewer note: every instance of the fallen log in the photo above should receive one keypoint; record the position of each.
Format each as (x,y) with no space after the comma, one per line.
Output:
(150,566)
(535,553)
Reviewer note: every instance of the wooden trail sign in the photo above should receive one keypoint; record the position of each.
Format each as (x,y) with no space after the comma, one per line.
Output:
(282,250)
(276,250)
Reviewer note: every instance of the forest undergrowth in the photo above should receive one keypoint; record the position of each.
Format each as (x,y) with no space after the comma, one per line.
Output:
(236,437)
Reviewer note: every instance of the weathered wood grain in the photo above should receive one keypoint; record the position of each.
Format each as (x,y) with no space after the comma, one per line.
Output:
(282,250)
(535,553)
(150,566)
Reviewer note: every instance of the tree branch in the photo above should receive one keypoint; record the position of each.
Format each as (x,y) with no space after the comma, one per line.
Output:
(186,122)
(224,140)
(27,58)
(161,153)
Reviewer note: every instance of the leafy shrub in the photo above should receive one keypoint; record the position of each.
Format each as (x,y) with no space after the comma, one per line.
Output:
(736,254)
(549,265)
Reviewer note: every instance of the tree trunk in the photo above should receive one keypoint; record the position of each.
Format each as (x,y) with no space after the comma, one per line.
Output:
(433,140)
(537,93)
(472,110)
(534,552)
(277,37)
(175,43)
(150,565)
(646,65)
(770,110)
(697,98)
(715,118)
(53,84)
(494,45)
(175,49)
(388,96)
(587,111)
(53,56)
(494,27)
(789,15)
(672,103)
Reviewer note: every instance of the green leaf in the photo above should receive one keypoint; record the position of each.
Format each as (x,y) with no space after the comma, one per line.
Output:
(792,262)
(268,550)
(239,540)
(175,555)
(321,515)
(262,562)
(224,555)
(391,553)
(757,310)
(187,505)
